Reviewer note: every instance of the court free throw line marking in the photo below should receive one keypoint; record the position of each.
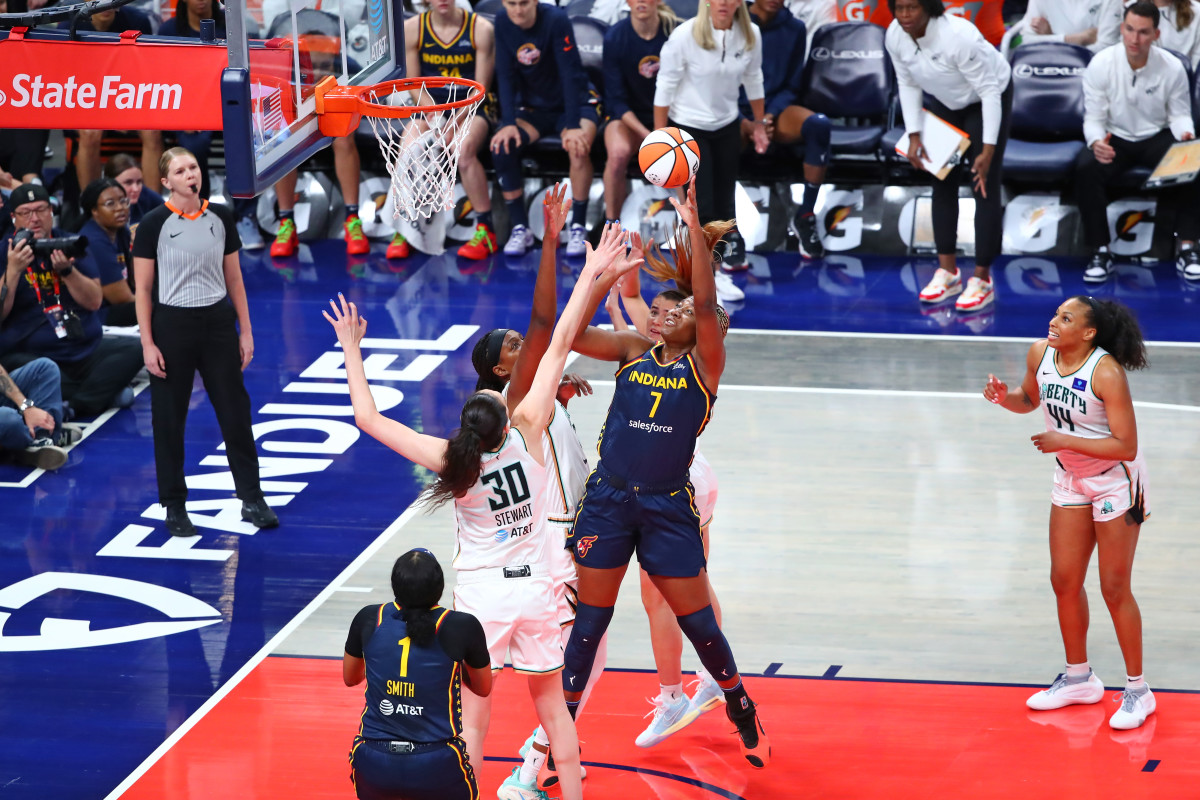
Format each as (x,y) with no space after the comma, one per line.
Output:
(920,337)
(263,652)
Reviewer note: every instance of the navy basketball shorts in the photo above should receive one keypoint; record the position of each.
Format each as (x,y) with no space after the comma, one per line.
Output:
(662,527)
(545,122)
(438,771)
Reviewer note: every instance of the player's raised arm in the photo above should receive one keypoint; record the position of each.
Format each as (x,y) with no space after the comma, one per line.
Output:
(710,339)
(1027,397)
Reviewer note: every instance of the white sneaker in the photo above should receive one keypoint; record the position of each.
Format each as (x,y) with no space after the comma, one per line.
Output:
(707,695)
(727,290)
(249,233)
(943,286)
(1062,694)
(1135,707)
(519,241)
(979,295)
(576,241)
(668,718)
(513,789)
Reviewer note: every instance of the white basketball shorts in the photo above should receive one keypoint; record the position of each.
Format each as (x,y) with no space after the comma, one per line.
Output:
(704,482)
(1110,494)
(519,618)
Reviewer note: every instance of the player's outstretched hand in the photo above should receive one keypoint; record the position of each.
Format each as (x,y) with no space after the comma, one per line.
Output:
(349,326)
(555,210)
(572,385)
(687,210)
(611,247)
(995,390)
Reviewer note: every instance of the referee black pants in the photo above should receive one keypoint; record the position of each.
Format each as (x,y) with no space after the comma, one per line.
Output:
(1092,179)
(716,180)
(989,212)
(205,340)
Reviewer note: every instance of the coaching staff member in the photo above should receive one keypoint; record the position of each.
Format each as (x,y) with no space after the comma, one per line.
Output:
(415,657)
(190,305)
(1135,106)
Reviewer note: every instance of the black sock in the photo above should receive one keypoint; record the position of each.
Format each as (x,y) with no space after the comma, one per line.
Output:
(579,212)
(516,211)
(737,702)
(351,210)
(289,214)
(573,708)
(809,202)
(484,218)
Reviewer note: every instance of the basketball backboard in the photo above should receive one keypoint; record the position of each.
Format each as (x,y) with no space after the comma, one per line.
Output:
(278,51)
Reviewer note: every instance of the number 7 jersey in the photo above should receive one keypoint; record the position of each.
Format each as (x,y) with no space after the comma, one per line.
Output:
(1070,406)
(502,517)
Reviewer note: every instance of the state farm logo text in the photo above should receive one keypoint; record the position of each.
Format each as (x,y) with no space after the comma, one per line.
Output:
(31,91)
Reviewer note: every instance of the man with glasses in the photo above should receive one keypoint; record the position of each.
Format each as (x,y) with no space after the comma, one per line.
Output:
(48,307)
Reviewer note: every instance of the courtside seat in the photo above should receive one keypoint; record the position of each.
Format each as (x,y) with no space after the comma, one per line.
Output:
(849,78)
(1047,116)
(1135,177)
(489,9)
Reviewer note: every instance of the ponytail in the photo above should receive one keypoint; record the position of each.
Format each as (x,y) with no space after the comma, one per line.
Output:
(1184,14)
(483,421)
(667,18)
(417,583)
(679,268)
(1117,331)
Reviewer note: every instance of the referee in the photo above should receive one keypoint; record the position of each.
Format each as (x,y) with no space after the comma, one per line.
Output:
(190,305)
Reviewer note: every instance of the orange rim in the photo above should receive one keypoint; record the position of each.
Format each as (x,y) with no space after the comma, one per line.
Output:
(369,108)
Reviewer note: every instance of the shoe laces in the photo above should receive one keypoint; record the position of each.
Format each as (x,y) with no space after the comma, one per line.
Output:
(286,229)
(1129,699)
(1060,682)
(397,239)
(660,707)
(481,233)
(354,227)
(578,232)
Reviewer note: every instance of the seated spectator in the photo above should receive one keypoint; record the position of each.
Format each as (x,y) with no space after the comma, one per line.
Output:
(543,91)
(1178,28)
(987,15)
(631,60)
(110,245)
(49,309)
(1136,105)
(787,122)
(22,153)
(1070,21)
(31,415)
(125,170)
(814,14)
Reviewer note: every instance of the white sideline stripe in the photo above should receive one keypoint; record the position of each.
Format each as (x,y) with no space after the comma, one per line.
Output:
(894,393)
(354,589)
(923,337)
(263,652)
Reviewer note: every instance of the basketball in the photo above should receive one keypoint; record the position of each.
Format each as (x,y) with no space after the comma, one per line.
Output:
(669,157)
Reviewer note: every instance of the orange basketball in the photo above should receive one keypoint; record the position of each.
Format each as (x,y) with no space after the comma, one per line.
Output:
(669,157)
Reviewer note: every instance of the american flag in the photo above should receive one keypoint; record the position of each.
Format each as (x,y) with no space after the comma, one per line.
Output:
(270,106)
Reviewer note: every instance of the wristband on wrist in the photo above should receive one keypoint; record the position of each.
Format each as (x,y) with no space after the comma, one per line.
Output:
(64,273)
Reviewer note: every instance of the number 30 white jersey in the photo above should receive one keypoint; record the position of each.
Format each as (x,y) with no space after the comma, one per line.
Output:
(1070,406)
(502,518)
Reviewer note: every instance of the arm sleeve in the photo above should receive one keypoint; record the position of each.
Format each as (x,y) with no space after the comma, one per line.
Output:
(233,242)
(752,75)
(570,71)
(790,91)
(670,68)
(614,80)
(360,630)
(145,245)
(506,74)
(1095,102)
(979,68)
(462,638)
(911,98)
(1179,104)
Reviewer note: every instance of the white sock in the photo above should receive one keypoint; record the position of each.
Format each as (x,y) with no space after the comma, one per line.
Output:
(532,764)
(672,693)
(541,738)
(1135,682)
(1078,673)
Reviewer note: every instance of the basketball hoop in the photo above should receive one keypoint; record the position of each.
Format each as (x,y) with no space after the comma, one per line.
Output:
(419,136)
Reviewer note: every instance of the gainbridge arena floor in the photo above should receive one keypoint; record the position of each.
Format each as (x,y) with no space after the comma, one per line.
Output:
(879,549)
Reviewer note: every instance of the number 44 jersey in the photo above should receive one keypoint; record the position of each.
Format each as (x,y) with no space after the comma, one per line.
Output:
(502,517)
(1070,406)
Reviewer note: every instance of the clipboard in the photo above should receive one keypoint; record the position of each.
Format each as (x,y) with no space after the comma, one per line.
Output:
(944,145)
(1180,164)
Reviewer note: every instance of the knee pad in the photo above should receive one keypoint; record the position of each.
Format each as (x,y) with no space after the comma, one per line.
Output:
(816,132)
(705,635)
(508,164)
(590,624)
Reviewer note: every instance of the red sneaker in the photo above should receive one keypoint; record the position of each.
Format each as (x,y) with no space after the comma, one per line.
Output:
(286,241)
(399,247)
(482,244)
(356,241)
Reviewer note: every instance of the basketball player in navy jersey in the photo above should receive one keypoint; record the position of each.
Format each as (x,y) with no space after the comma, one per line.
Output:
(415,656)
(448,42)
(639,497)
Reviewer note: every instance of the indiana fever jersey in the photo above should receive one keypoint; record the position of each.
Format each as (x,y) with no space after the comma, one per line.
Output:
(413,693)
(1070,406)
(452,59)
(502,518)
(657,412)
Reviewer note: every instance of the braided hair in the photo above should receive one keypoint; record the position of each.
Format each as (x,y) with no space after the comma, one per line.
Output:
(483,421)
(1117,331)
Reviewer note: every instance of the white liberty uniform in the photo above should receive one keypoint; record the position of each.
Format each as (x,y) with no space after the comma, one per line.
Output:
(502,554)
(1070,406)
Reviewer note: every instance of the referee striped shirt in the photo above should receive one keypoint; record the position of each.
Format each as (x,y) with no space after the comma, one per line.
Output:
(189,252)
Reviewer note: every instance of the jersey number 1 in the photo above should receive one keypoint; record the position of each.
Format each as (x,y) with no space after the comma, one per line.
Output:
(518,487)
(1061,415)
(404,645)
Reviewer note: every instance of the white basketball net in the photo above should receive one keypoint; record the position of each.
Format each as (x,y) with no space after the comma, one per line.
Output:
(422,151)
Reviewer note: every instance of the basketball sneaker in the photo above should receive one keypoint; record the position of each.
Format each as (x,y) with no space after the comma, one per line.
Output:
(519,241)
(356,241)
(943,286)
(810,239)
(548,773)
(1136,705)
(398,248)
(43,453)
(1189,264)
(576,241)
(707,695)
(727,290)
(1100,268)
(668,718)
(1061,693)
(286,240)
(513,789)
(733,254)
(248,232)
(979,295)
(482,244)
(756,747)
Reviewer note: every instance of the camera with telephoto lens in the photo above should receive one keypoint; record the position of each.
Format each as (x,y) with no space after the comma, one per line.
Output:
(73,246)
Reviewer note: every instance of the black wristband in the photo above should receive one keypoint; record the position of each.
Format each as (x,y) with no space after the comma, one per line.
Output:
(65,272)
